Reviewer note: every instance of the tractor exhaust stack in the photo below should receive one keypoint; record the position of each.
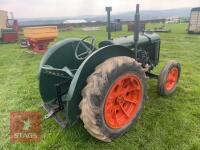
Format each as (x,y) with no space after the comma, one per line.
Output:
(137,28)
(108,9)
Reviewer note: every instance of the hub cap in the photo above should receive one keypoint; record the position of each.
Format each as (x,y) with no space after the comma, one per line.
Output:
(172,78)
(123,101)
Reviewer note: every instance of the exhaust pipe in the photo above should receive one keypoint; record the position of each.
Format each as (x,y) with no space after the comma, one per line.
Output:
(137,28)
(108,9)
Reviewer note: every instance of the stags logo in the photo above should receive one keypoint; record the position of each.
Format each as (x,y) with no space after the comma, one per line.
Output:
(25,126)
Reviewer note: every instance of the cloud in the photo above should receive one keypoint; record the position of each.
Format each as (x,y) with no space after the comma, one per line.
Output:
(61,8)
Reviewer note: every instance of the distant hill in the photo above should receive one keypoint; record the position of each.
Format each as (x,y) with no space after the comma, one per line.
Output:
(148,14)
(126,16)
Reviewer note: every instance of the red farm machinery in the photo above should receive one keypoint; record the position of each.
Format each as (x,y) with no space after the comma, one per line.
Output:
(9,28)
(38,38)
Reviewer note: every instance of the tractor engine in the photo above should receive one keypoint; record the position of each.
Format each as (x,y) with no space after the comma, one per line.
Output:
(148,47)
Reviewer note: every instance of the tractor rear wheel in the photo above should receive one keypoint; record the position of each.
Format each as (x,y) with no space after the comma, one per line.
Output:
(168,78)
(113,97)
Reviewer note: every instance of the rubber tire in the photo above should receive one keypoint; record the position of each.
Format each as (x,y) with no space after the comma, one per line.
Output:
(98,84)
(163,75)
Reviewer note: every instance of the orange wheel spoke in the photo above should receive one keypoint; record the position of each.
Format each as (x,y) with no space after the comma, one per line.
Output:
(115,116)
(127,89)
(124,111)
(130,101)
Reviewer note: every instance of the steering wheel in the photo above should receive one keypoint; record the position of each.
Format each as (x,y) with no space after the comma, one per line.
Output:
(89,47)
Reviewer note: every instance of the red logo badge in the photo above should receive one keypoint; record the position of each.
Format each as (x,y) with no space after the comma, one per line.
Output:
(25,126)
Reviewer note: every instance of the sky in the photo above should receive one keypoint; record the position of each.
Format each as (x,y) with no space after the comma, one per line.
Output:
(67,8)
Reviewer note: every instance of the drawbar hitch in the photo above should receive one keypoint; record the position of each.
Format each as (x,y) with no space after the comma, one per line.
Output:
(60,106)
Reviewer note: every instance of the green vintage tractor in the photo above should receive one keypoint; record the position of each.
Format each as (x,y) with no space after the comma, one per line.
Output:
(105,87)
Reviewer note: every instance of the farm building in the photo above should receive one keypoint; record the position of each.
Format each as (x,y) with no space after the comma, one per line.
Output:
(172,20)
(116,25)
(194,22)
(3,19)
(74,21)
(8,28)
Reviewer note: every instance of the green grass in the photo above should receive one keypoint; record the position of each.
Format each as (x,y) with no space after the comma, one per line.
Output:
(166,123)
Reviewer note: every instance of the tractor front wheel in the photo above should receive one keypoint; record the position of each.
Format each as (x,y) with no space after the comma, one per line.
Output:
(113,97)
(168,78)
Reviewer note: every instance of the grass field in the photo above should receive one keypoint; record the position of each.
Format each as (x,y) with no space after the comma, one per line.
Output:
(166,123)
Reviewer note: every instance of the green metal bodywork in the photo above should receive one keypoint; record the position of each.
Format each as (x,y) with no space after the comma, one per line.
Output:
(128,41)
(59,64)
(75,85)
(148,42)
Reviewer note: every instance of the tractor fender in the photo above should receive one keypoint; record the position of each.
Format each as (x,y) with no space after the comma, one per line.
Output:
(59,55)
(87,67)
